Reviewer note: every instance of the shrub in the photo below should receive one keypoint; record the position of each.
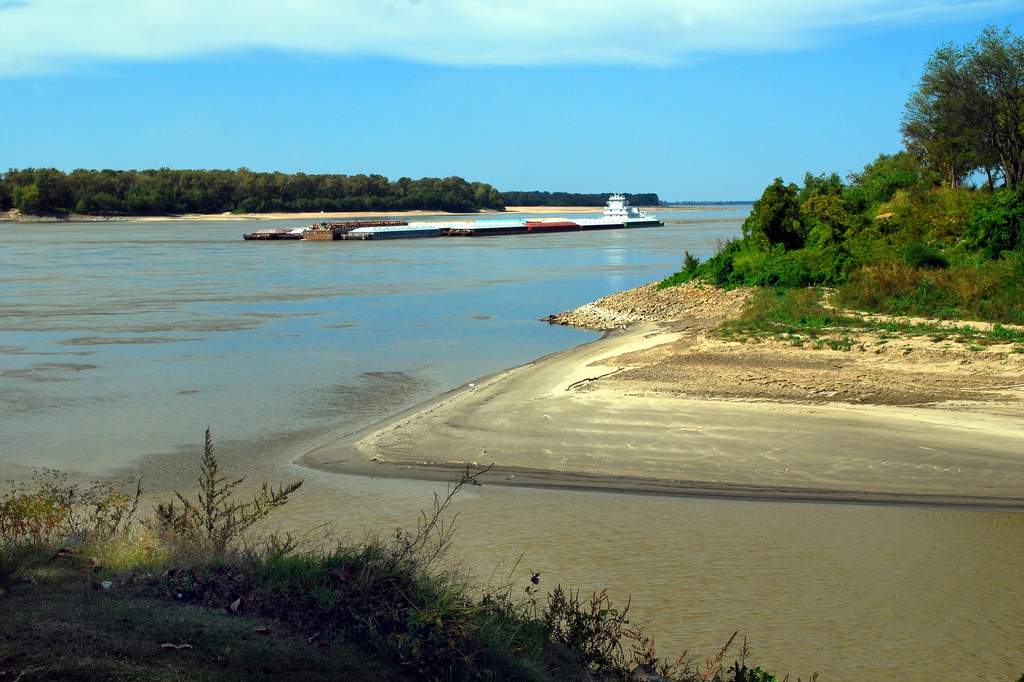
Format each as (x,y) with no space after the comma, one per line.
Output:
(919,255)
(51,509)
(882,178)
(775,218)
(998,224)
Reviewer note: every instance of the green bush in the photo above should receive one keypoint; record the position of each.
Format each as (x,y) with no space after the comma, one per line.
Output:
(998,224)
(881,179)
(938,252)
(919,255)
(775,218)
(51,509)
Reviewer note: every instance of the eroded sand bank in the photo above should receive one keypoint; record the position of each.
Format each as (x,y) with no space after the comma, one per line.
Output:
(662,407)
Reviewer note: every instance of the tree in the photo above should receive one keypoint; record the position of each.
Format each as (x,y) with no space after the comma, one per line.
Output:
(942,123)
(775,218)
(881,179)
(997,65)
(6,200)
(967,113)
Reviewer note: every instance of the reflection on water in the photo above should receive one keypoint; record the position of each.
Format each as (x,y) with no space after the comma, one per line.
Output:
(122,342)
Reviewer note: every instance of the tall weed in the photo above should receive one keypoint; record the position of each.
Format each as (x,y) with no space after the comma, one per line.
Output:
(214,520)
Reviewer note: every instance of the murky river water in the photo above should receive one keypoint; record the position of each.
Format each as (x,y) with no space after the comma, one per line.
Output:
(121,342)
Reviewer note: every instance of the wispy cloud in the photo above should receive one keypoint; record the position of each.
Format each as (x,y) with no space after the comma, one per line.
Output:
(54,35)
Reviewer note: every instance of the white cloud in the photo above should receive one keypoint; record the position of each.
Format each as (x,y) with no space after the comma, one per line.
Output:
(53,35)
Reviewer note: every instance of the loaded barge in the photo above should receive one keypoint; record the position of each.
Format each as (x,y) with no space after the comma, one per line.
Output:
(617,214)
(321,231)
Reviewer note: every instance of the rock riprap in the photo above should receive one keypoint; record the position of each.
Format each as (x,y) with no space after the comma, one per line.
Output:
(648,303)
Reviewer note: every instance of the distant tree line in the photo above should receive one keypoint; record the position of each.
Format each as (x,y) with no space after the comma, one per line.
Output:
(165,191)
(572,199)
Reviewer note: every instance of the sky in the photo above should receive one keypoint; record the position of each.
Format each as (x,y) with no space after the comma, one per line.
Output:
(691,99)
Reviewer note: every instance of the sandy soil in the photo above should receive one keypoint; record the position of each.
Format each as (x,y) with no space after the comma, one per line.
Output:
(658,405)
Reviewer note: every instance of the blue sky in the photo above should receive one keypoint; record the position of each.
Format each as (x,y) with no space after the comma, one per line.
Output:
(693,100)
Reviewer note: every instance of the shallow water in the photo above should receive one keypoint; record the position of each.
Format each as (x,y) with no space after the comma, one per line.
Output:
(121,342)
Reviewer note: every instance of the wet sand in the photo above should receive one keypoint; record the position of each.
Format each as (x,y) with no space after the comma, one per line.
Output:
(663,407)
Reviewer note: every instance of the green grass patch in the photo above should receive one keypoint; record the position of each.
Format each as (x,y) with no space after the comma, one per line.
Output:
(782,313)
(65,625)
(800,318)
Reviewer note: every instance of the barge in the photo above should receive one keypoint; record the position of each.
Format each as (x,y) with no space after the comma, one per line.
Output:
(406,231)
(617,214)
(275,233)
(334,231)
(552,225)
(483,228)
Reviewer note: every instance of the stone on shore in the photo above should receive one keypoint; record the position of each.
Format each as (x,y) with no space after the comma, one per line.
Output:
(648,303)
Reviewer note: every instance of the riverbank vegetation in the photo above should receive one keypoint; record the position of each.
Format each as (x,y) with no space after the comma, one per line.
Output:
(91,589)
(51,192)
(909,235)
(48,191)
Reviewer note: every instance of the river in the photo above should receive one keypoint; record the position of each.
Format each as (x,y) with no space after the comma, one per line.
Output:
(122,341)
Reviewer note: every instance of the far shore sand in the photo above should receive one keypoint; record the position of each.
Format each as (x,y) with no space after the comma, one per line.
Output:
(662,407)
(15,217)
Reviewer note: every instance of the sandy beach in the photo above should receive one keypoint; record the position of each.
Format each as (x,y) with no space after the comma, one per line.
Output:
(658,405)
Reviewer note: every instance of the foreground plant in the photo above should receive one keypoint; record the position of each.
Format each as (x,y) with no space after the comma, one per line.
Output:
(52,509)
(215,520)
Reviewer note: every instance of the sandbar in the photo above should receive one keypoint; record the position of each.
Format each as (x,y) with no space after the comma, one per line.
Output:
(660,405)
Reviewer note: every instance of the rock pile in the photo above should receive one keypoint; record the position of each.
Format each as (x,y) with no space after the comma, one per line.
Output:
(650,304)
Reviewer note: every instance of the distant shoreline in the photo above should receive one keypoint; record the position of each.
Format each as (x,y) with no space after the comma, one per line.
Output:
(15,217)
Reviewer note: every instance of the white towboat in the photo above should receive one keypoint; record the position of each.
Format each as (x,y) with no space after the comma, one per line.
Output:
(618,213)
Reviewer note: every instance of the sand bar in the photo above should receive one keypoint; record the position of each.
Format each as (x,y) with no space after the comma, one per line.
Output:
(663,407)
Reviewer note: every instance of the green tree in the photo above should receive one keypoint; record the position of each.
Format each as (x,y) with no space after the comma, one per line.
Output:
(775,218)
(826,217)
(881,179)
(27,199)
(997,65)
(942,120)
(967,113)
(6,198)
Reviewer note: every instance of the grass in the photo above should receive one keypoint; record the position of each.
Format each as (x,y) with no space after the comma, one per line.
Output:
(800,318)
(91,591)
(64,625)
